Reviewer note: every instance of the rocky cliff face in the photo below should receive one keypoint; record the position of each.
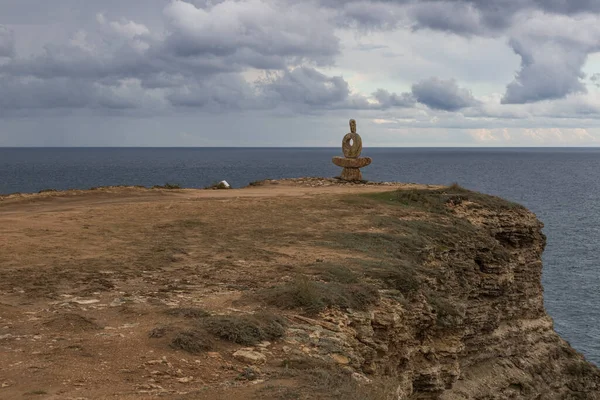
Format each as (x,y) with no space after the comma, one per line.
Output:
(475,328)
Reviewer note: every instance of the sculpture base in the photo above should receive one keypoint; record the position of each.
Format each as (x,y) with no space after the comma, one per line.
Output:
(352,166)
(351,174)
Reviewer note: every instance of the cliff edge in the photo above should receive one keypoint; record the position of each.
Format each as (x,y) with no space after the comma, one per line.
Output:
(293,289)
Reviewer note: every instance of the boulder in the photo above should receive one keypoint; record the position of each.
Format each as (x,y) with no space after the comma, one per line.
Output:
(250,356)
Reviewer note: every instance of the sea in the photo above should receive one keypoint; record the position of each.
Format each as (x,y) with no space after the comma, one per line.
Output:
(561,185)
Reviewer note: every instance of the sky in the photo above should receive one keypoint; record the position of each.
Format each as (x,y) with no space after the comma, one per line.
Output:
(293,72)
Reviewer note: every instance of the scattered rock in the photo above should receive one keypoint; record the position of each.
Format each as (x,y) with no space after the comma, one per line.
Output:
(361,378)
(340,359)
(84,301)
(251,373)
(5,384)
(186,379)
(249,356)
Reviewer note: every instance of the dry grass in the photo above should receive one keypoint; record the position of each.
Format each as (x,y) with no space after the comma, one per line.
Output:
(193,341)
(313,297)
(187,312)
(438,200)
(167,186)
(246,330)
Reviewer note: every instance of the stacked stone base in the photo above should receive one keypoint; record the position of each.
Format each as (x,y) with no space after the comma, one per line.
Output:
(352,166)
(351,174)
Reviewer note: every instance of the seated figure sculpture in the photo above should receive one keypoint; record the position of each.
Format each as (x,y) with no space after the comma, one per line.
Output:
(352,162)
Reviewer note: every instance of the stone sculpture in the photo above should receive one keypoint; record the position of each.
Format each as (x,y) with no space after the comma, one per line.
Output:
(352,162)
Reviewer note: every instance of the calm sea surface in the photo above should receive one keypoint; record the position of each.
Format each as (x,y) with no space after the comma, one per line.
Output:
(562,186)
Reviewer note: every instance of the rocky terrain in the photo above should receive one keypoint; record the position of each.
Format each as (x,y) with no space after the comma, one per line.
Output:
(297,289)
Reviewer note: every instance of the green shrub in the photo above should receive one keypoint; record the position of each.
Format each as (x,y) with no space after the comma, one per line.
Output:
(167,186)
(187,312)
(193,341)
(246,330)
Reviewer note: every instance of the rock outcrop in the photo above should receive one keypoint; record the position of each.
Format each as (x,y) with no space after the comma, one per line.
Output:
(476,329)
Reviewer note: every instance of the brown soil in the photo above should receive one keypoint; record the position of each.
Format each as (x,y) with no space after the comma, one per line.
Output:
(87,277)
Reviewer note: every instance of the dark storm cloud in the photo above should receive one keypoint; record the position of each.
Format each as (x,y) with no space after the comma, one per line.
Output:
(187,64)
(223,93)
(7,42)
(306,86)
(388,100)
(58,93)
(443,95)
(490,15)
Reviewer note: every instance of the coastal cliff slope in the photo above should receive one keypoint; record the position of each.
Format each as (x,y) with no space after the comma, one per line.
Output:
(294,289)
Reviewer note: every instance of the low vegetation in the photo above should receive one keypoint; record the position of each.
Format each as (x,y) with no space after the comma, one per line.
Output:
(246,329)
(188,312)
(314,296)
(167,186)
(193,341)
(439,200)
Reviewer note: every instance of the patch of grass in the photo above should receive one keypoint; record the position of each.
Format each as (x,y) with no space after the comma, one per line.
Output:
(187,312)
(47,191)
(167,186)
(246,329)
(399,276)
(117,186)
(439,200)
(313,297)
(193,341)
(330,272)
(36,392)
(257,183)
(158,332)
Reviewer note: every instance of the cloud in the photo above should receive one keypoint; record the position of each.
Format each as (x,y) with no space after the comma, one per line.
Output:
(553,50)
(7,42)
(256,33)
(305,86)
(559,136)
(595,78)
(63,93)
(490,135)
(552,37)
(443,95)
(461,18)
(387,99)
(222,93)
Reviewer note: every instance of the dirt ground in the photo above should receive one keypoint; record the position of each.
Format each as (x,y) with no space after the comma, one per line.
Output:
(87,278)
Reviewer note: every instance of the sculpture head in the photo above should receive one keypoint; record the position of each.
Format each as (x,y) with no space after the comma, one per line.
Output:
(352,126)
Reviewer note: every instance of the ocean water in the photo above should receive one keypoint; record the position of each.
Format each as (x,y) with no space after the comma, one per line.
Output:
(561,185)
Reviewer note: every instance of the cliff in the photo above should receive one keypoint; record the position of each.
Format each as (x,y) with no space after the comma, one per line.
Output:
(287,290)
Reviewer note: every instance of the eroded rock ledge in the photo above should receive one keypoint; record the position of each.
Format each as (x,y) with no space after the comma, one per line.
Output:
(475,328)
